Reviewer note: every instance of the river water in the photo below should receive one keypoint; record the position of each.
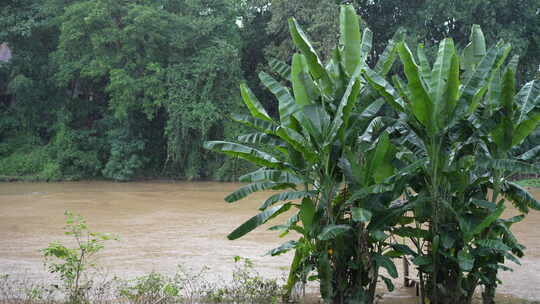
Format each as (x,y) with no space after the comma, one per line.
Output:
(164,224)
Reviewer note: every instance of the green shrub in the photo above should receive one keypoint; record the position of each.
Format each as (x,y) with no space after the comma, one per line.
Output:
(51,172)
(69,155)
(21,142)
(126,158)
(76,153)
(22,163)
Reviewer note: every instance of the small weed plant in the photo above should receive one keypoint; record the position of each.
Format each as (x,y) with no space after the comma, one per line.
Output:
(248,286)
(151,288)
(70,264)
(185,286)
(190,287)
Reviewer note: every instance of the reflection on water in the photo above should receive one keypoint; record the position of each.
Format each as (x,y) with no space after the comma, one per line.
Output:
(162,224)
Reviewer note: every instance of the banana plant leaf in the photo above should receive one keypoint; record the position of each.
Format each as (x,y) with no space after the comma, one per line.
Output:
(258,220)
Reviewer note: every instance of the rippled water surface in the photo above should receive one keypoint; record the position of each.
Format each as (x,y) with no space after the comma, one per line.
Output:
(163,224)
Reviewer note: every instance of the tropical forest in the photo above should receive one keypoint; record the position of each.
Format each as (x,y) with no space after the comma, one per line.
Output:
(270,151)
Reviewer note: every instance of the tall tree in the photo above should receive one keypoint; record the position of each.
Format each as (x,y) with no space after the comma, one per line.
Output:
(28,93)
(143,56)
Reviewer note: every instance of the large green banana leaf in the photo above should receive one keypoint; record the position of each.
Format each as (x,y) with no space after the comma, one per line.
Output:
(253,104)
(258,220)
(350,38)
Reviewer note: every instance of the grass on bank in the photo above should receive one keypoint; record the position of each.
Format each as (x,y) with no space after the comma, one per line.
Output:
(184,286)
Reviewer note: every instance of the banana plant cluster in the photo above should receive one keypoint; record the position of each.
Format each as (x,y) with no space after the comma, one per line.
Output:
(499,124)
(330,157)
(461,119)
(369,168)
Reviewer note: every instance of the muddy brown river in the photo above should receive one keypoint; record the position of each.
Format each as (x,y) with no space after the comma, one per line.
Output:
(164,224)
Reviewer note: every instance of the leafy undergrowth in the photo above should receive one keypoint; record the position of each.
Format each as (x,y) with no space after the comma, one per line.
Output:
(185,286)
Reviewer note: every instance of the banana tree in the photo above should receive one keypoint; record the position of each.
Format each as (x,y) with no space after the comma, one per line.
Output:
(497,124)
(440,126)
(500,124)
(326,156)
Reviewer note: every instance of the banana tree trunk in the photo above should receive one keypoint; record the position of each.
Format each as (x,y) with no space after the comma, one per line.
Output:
(488,296)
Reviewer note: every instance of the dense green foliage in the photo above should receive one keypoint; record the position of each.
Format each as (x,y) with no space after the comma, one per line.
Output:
(352,138)
(114,89)
(128,89)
